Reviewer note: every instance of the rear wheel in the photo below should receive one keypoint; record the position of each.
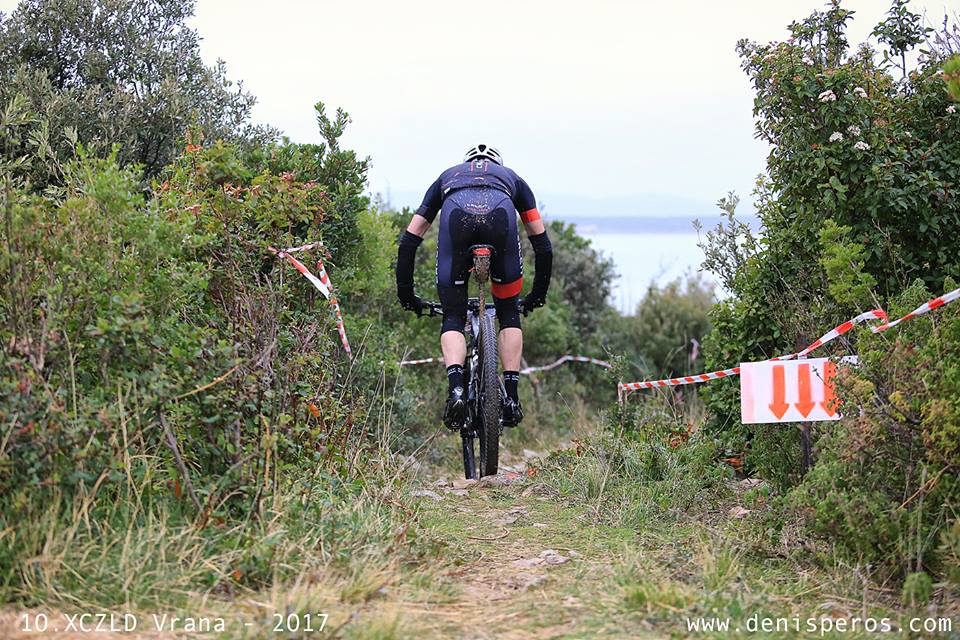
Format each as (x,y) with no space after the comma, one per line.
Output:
(489,399)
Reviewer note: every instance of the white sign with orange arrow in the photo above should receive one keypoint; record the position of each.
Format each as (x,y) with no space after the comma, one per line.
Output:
(787,391)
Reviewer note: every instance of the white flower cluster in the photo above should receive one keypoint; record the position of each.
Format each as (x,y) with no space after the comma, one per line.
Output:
(827,96)
(853,130)
(836,136)
(861,146)
(860,92)
(952,108)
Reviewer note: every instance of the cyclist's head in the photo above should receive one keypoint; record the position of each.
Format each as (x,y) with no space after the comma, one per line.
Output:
(483,151)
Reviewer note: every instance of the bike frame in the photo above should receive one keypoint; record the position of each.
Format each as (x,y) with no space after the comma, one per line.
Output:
(470,432)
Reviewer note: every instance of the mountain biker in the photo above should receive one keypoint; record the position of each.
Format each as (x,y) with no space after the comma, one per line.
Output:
(478,201)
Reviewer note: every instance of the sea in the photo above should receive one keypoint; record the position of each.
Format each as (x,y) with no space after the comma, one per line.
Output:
(648,250)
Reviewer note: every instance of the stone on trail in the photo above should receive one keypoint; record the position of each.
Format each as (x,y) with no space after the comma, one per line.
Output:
(463,483)
(524,580)
(526,563)
(547,556)
(461,493)
(551,556)
(501,479)
(738,512)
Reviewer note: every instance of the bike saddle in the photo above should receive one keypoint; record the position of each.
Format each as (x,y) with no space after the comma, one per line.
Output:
(481,249)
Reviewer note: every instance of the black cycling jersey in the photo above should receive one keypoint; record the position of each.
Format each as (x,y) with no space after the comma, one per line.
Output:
(478,203)
(480,173)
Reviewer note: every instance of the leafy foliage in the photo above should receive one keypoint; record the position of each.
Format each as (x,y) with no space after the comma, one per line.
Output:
(852,149)
(662,339)
(895,450)
(125,74)
(855,203)
(139,328)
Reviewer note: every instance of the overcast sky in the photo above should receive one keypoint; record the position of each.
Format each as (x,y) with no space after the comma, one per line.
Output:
(599,98)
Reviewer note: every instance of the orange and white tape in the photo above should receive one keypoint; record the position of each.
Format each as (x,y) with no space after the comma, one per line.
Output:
(321,283)
(623,388)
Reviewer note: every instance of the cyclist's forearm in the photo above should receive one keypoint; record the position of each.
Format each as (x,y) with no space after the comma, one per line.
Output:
(406,257)
(407,250)
(542,264)
(418,225)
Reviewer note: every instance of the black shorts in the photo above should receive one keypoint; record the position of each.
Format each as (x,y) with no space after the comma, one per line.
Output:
(479,216)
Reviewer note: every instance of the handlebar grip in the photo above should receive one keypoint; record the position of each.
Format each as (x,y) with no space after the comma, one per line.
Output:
(435,308)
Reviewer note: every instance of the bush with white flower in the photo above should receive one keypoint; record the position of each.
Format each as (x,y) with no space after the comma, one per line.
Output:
(845,225)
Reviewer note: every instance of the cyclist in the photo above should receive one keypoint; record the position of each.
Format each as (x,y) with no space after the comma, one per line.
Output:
(478,202)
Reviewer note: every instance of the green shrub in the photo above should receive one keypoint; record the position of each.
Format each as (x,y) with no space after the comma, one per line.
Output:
(126,74)
(855,201)
(883,489)
(155,353)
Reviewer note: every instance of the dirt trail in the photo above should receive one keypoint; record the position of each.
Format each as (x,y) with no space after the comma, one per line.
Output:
(519,564)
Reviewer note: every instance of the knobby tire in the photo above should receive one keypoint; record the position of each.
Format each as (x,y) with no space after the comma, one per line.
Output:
(490,403)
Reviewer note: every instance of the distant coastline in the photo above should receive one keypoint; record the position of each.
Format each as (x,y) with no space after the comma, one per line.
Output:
(594,225)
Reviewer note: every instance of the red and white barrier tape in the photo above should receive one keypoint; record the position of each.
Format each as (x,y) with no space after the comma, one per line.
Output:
(567,358)
(876,314)
(528,370)
(930,305)
(406,363)
(305,247)
(341,329)
(316,282)
(322,284)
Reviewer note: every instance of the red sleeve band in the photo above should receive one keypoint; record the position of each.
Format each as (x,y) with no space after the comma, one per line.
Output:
(530,215)
(506,289)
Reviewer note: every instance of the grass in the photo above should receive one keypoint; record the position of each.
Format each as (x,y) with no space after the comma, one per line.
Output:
(682,553)
(647,529)
(125,550)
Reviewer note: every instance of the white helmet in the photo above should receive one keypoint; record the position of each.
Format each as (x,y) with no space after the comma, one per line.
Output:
(483,151)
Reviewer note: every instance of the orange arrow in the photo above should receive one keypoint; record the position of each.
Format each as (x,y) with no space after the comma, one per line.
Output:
(779,405)
(804,391)
(829,403)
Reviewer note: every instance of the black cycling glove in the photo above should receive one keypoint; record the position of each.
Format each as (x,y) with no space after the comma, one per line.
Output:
(542,266)
(406,254)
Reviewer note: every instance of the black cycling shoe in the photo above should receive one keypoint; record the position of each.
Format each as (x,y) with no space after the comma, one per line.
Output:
(456,410)
(512,412)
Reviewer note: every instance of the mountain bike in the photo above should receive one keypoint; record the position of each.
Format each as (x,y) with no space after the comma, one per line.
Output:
(484,388)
